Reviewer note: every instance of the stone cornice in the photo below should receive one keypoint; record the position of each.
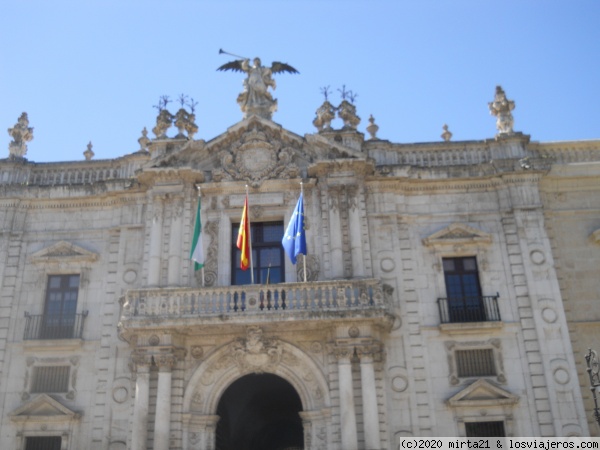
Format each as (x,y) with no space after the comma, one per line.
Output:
(239,187)
(357,168)
(153,176)
(416,185)
(80,202)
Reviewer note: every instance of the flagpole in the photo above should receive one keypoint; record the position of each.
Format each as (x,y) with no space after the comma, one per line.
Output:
(201,270)
(303,256)
(250,241)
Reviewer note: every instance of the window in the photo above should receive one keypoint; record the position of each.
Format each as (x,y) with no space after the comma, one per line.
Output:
(485,429)
(50,379)
(61,305)
(464,303)
(267,254)
(475,363)
(43,443)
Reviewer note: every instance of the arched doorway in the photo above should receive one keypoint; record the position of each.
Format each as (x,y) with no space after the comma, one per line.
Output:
(259,412)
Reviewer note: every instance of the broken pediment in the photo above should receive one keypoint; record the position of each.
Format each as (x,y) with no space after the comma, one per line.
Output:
(45,409)
(482,393)
(63,252)
(254,150)
(458,234)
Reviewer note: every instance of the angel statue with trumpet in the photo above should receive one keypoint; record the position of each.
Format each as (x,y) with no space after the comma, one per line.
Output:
(256,98)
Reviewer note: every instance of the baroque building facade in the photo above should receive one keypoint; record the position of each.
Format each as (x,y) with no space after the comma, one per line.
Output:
(450,288)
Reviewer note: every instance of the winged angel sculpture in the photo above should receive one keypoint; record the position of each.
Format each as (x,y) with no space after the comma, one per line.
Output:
(256,98)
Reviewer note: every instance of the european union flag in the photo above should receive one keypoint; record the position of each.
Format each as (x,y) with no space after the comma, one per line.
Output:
(294,239)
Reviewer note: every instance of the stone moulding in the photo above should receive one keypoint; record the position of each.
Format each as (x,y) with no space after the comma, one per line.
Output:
(43,409)
(458,234)
(63,251)
(482,393)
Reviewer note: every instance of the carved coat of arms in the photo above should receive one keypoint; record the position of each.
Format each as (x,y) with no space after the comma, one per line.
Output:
(256,353)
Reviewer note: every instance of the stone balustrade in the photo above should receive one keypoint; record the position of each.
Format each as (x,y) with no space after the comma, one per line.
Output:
(55,174)
(284,298)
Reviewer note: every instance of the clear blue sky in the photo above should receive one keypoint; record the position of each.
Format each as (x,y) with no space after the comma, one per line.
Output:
(91,70)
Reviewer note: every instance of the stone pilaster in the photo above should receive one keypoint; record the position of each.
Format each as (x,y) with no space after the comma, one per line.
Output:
(162,416)
(139,432)
(335,232)
(355,225)
(176,231)
(348,430)
(367,355)
(155,242)
(199,431)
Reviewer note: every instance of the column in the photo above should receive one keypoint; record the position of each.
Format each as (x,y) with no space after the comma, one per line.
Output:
(155,244)
(162,415)
(347,410)
(175,257)
(139,433)
(369,396)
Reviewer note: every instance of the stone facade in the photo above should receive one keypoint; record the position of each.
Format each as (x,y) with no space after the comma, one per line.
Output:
(373,343)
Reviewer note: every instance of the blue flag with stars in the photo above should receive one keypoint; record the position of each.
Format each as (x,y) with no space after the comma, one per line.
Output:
(294,239)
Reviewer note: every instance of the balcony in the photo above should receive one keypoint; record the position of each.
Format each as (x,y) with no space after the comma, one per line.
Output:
(49,327)
(469,309)
(290,302)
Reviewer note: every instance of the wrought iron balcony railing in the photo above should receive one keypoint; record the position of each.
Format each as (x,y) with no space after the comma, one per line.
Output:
(469,309)
(284,298)
(57,326)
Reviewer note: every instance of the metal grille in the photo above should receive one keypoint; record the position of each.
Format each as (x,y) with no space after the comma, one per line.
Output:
(475,363)
(43,443)
(50,379)
(485,429)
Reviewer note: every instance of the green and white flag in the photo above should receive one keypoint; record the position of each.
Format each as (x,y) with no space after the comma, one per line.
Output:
(197,253)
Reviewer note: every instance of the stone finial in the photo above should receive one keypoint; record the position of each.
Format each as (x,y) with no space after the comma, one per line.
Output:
(184,121)
(347,112)
(89,153)
(144,141)
(501,107)
(373,127)
(164,120)
(325,114)
(21,134)
(446,135)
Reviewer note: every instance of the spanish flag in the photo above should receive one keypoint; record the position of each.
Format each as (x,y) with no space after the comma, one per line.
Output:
(243,240)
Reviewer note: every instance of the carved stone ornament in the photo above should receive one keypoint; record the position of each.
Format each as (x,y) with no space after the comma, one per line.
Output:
(256,353)
(325,114)
(211,266)
(501,107)
(254,158)
(312,268)
(89,153)
(185,121)
(21,133)
(164,120)
(347,112)
(144,141)
(373,128)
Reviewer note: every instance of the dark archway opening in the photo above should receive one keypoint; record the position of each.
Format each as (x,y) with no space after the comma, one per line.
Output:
(260,412)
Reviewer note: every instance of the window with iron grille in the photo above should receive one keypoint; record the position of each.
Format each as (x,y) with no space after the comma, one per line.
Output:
(267,254)
(43,443)
(485,429)
(50,379)
(475,363)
